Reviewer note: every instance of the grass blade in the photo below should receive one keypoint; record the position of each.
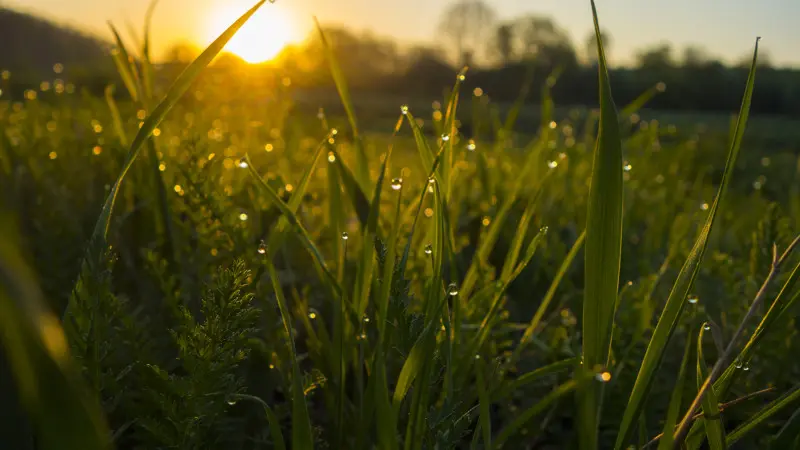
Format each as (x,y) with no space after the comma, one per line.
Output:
(765,413)
(50,386)
(677,297)
(789,434)
(603,249)
(711,415)
(272,420)
(484,404)
(362,168)
(302,437)
(674,408)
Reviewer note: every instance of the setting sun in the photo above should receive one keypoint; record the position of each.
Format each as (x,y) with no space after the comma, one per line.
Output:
(261,38)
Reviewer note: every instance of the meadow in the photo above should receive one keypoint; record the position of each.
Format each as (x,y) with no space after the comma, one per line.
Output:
(219,263)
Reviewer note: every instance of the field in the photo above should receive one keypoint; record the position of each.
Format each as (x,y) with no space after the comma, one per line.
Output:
(450,273)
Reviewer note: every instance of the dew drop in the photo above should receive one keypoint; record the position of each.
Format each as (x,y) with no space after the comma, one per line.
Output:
(331,157)
(552,164)
(362,336)
(397,184)
(312,313)
(345,236)
(404,109)
(243,217)
(471,145)
(746,367)
(428,249)
(461,77)
(627,166)
(231,400)
(553,124)
(365,318)
(603,377)
(477,357)
(692,299)
(262,248)
(704,206)
(431,180)
(243,163)
(738,364)
(452,289)
(445,137)
(544,229)
(706,327)
(334,131)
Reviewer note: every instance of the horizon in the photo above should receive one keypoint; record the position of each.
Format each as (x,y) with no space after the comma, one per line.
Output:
(729,40)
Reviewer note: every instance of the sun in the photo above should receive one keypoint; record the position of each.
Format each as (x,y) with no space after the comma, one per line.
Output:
(267,32)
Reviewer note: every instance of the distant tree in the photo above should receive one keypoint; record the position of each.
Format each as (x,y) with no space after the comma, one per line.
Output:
(659,57)
(503,43)
(466,24)
(694,56)
(541,39)
(591,46)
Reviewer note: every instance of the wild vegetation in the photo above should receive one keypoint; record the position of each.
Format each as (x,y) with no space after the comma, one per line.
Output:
(206,265)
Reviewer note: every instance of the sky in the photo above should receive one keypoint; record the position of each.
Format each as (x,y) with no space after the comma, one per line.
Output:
(724,28)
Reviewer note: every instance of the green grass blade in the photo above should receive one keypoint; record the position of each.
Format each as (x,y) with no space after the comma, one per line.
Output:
(354,189)
(765,413)
(677,297)
(640,101)
(122,60)
(385,420)
(272,420)
(97,242)
(603,249)
(426,154)
(302,437)
(319,261)
(508,389)
(549,295)
(51,387)
(119,128)
(484,404)
(711,416)
(362,168)
(674,408)
(147,66)
(788,435)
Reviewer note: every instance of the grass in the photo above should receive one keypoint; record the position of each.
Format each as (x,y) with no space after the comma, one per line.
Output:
(268,279)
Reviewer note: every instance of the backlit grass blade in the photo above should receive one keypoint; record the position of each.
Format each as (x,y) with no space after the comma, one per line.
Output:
(97,242)
(548,296)
(302,437)
(147,66)
(319,261)
(50,386)
(674,408)
(508,389)
(119,128)
(711,418)
(362,168)
(603,249)
(354,189)
(765,413)
(123,62)
(677,297)
(426,154)
(641,100)
(385,421)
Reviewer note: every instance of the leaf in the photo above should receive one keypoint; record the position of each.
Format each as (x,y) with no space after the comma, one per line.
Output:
(272,420)
(302,437)
(711,415)
(677,297)
(788,435)
(765,413)
(603,249)
(674,408)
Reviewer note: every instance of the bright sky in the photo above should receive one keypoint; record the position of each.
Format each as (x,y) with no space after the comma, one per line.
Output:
(723,27)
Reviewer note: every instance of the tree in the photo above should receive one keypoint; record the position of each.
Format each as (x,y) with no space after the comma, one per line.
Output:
(541,39)
(181,52)
(659,57)
(466,24)
(591,46)
(694,56)
(503,43)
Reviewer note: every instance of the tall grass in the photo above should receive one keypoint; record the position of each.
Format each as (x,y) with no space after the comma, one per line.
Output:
(423,299)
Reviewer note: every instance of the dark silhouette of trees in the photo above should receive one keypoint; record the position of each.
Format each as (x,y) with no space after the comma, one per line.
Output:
(658,58)
(590,48)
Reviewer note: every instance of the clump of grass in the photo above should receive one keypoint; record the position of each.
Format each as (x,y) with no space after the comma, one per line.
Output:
(456,292)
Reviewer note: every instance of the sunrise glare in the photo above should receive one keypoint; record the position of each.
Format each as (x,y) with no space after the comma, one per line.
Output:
(261,38)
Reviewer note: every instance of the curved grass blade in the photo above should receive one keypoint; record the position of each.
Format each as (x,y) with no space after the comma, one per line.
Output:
(711,415)
(603,249)
(765,413)
(117,119)
(50,385)
(677,297)
(789,434)
(508,389)
(674,408)
(97,242)
(362,168)
(272,420)
(122,60)
(354,189)
(302,437)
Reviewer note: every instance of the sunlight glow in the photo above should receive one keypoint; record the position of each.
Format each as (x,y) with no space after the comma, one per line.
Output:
(261,38)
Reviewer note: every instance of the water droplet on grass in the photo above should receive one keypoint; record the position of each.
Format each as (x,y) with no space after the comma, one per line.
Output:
(452,289)
(262,247)
(428,249)
(345,236)
(692,299)
(397,184)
